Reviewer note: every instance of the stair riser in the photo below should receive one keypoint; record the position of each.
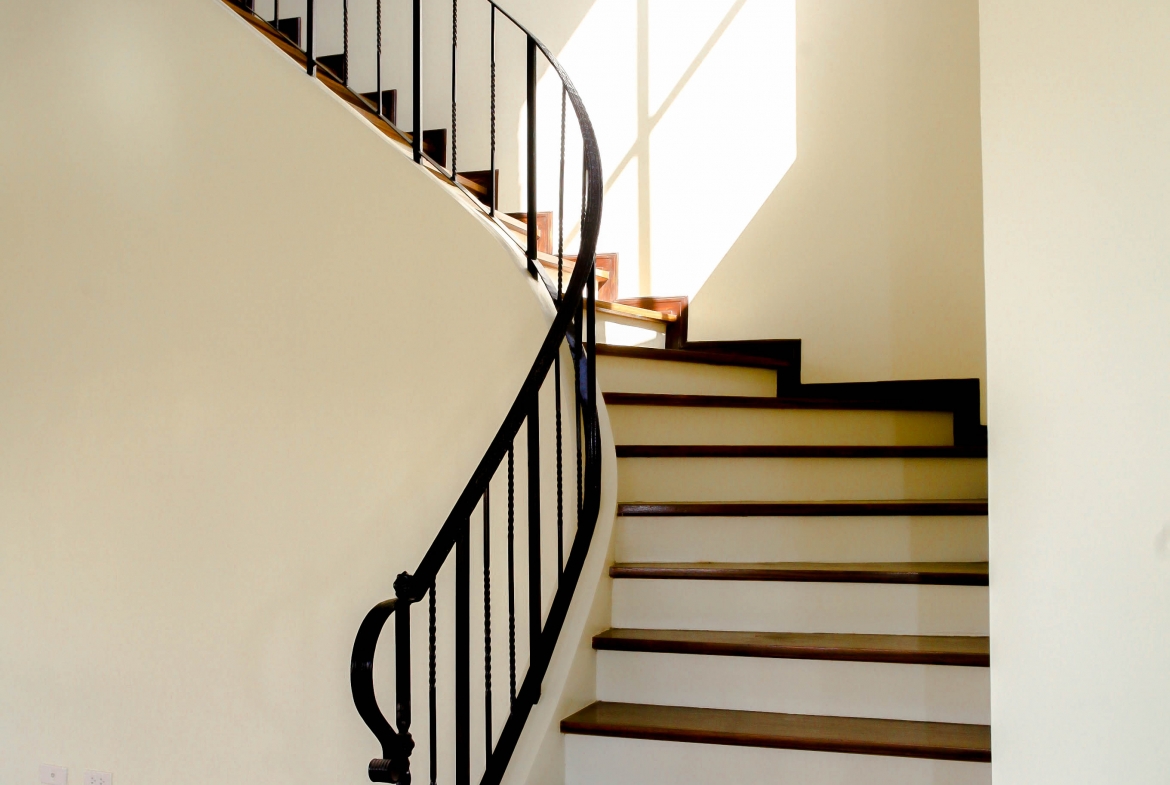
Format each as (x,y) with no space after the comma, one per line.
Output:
(934,693)
(767,606)
(594,759)
(625,374)
(695,425)
(632,332)
(900,538)
(796,479)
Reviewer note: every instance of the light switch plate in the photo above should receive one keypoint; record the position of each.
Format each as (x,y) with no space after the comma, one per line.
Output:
(98,778)
(54,775)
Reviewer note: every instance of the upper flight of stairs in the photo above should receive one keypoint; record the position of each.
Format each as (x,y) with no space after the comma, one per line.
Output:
(477,184)
(800,578)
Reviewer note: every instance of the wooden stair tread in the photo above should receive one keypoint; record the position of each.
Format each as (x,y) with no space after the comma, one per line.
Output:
(475,186)
(389,103)
(689,356)
(955,650)
(543,228)
(549,262)
(517,226)
(934,573)
(803,509)
(266,29)
(633,312)
(795,451)
(862,736)
(751,402)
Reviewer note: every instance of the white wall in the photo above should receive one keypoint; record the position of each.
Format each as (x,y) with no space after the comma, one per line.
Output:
(1076,143)
(250,355)
(870,247)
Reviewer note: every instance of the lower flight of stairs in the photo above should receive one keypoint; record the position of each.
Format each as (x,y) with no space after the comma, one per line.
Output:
(800,586)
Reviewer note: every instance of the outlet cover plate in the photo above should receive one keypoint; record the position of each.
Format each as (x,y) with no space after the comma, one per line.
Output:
(54,775)
(98,778)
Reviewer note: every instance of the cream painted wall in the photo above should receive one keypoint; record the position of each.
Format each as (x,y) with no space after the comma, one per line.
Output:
(242,383)
(870,248)
(1076,150)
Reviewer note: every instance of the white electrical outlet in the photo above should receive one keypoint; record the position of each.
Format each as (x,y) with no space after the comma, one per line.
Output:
(98,778)
(54,775)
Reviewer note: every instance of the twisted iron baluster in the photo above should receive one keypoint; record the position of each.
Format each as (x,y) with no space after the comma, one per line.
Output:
(577,400)
(511,574)
(492,166)
(345,42)
(434,729)
(561,204)
(310,58)
(487,622)
(580,342)
(454,105)
(378,24)
(560,476)
(557,369)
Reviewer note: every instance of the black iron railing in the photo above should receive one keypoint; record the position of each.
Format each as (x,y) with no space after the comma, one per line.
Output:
(573,326)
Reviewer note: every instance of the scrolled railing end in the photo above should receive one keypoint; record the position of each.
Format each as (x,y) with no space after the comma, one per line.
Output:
(395,770)
(394,765)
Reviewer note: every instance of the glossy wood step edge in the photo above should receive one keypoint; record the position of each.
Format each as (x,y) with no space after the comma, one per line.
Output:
(803,509)
(689,356)
(511,224)
(920,573)
(752,402)
(632,312)
(549,263)
(795,451)
(948,650)
(855,735)
(959,397)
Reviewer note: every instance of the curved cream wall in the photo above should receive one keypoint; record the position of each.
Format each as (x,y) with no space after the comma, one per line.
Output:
(249,354)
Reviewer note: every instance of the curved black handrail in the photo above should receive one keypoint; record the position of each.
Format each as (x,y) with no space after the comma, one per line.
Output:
(574,324)
(574,316)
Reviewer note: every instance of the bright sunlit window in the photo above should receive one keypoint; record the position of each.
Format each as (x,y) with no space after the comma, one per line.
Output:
(694,104)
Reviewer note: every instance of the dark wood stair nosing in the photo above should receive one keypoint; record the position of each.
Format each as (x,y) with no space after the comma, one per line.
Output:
(974,507)
(797,451)
(691,356)
(802,646)
(922,574)
(760,402)
(853,735)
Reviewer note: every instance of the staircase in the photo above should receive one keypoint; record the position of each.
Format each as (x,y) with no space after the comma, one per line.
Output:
(479,185)
(800,586)
(800,578)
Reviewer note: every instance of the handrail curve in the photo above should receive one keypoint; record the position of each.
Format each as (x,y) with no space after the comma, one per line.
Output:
(574,324)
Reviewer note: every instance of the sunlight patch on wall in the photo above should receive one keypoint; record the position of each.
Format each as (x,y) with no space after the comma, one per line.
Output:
(723,145)
(695,128)
(616,334)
